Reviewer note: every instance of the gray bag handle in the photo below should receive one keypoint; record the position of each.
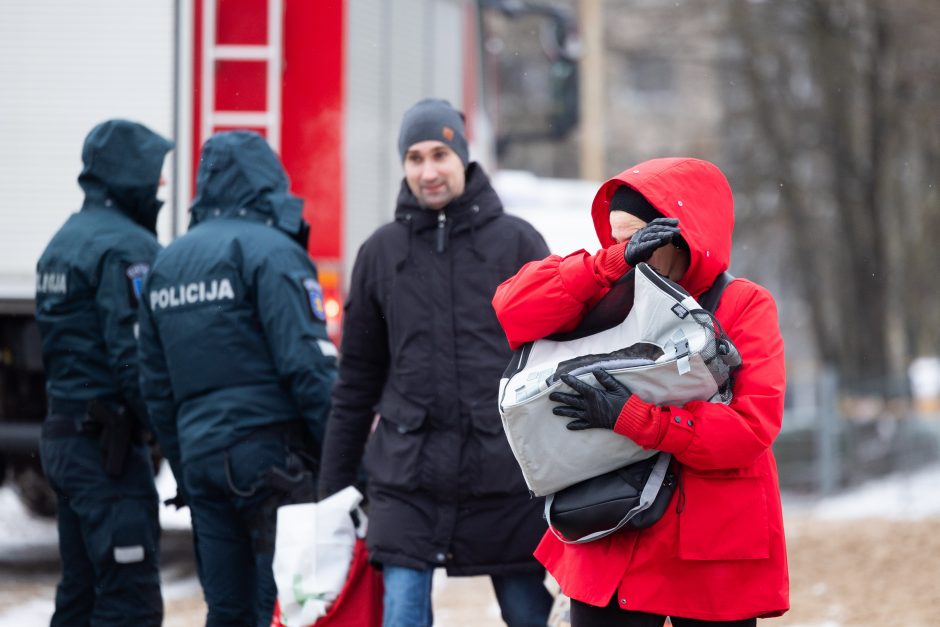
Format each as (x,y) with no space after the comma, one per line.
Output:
(647,496)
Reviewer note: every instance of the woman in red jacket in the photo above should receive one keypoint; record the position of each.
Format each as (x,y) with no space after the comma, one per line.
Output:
(718,553)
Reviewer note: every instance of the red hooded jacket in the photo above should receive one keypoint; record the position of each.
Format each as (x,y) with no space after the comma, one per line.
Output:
(718,553)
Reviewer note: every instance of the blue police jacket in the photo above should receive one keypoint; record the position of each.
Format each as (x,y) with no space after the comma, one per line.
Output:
(233,335)
(89,277)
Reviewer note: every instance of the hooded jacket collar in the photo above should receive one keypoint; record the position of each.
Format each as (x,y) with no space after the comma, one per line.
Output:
(479,202)
(240,176)
(694,191)
(122,164)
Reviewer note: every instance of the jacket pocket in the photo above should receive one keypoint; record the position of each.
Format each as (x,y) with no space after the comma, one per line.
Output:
(724,518)
(494,467)
(127,533)
(487,420)
(393,451)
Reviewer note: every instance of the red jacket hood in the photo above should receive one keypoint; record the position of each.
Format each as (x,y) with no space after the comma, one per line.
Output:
(694,191)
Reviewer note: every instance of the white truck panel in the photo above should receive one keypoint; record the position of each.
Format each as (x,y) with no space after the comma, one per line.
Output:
(396,54)
(61,73)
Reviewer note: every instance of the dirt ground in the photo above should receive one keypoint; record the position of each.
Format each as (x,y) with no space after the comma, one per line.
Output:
(858,573)
(863,573)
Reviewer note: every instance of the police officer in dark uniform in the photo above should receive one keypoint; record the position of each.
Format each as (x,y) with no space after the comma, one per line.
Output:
(93,446)
(237,368)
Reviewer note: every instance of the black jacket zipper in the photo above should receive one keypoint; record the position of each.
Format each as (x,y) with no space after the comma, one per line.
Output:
(441,231)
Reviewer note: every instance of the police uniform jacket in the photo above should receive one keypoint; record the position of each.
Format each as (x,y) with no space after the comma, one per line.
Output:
(422,348)
(89,277)
(233,335)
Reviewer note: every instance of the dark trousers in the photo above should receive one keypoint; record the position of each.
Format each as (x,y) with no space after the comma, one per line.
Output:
(109,536)
(523,599)
(234,514)
(584,615)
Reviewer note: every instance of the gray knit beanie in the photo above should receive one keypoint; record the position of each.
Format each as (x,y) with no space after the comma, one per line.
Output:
(433,119)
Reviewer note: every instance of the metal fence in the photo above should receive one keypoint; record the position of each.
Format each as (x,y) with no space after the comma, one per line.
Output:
(828,442)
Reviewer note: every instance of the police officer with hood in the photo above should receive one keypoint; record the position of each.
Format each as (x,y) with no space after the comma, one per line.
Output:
(237,368)
(93,440)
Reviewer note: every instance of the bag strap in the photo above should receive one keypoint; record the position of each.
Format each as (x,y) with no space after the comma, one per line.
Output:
(651,488)
(712,296)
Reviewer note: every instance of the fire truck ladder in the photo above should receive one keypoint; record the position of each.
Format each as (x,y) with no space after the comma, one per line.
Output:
(270,119)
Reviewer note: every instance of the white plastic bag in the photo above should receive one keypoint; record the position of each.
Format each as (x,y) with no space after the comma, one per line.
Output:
(312,553)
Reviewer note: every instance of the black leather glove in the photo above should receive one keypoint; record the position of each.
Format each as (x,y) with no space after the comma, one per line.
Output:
(594,408)
(658,233)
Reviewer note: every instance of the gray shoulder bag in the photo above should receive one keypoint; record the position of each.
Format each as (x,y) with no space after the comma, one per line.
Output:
(636,495)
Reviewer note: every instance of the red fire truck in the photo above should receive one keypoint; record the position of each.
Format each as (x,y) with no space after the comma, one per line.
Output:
(325,81)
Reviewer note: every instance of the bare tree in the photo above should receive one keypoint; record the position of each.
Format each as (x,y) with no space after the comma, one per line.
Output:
(834,94)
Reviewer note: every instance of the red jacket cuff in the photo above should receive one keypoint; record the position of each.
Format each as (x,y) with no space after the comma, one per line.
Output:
(640,421)
(678,428)
(667,429)
(609,263)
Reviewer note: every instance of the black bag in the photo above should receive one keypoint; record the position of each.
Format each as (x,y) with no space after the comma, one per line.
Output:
(632,497)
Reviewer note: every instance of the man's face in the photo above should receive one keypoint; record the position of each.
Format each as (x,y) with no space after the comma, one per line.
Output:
(434,173)
(667,260)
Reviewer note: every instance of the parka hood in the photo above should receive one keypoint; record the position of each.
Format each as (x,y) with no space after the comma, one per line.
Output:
(239,175)
(694,191)
(122,165)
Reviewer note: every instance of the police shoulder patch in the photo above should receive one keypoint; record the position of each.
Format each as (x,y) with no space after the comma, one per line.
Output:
(314,298)
(135,274)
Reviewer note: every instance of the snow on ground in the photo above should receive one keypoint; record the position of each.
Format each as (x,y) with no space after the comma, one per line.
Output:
(20,531)
(911,495)
(32,611)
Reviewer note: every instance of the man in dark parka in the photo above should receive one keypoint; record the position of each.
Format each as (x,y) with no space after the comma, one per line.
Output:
(422,349)
(237,368)
(92,447)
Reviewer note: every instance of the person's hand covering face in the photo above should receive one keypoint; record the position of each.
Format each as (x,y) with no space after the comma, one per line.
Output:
(658,233)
